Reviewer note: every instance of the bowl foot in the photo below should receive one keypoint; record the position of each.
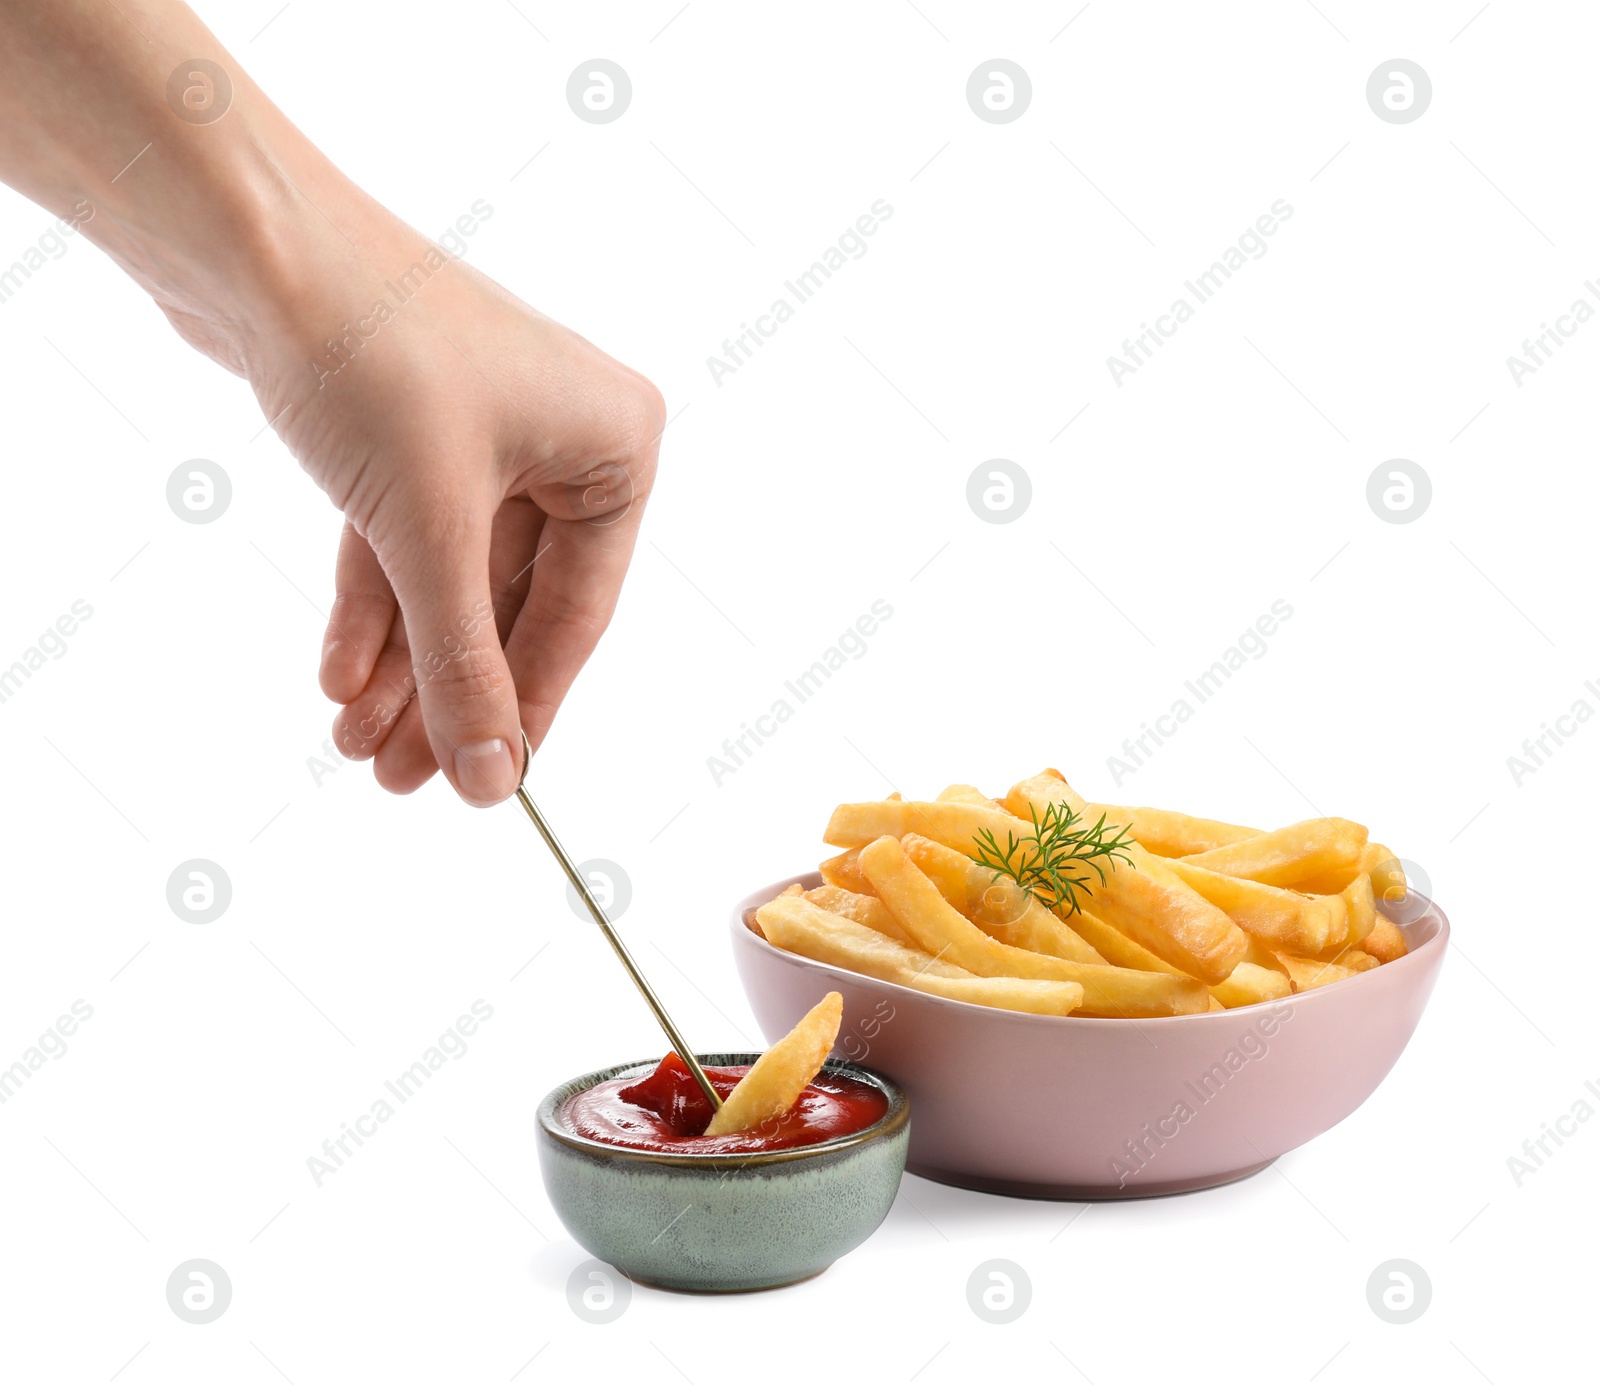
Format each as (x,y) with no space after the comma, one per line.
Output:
(731,1289)
(1106,1192)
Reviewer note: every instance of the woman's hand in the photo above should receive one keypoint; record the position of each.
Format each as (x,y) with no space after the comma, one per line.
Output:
(491,465)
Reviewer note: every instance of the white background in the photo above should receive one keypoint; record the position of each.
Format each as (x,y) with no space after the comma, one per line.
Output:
(827,473)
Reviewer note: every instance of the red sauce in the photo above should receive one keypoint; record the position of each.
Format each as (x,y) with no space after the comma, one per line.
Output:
(668,1112)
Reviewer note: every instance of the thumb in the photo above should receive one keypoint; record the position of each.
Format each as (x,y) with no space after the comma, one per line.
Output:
(464,687)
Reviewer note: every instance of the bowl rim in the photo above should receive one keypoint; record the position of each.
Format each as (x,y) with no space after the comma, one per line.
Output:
(1420,956)
(889,1123)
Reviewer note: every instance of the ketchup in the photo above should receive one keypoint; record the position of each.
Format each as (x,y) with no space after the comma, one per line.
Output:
(667,1112)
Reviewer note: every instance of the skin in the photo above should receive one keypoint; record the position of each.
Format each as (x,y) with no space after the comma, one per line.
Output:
(491,465)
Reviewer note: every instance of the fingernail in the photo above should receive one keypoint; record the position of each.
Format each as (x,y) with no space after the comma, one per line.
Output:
(485,772)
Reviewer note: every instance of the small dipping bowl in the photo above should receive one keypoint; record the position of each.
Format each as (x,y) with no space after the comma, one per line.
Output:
(721,1223)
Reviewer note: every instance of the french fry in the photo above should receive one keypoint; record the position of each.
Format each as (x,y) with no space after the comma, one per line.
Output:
(1386,942)
(1122,993)
(1118,948)
(949,870)
(863,908)
(1290,855)
(1242,987)
(1388,875)
(998,905)
(1144,899)
(1332,881)
(1007,993)
(797,924)
(1361,908)
(843,872)
(779,1075)
(1034,928)
(801,927)
(942,930)
(1296,922)
(1164,833)
(965,793)
(1373,862)
(933,921)
(1166,917)
(1354,959)
(955,825)
(1251,985)
(1341,921)
(1260,955)
(1307,973)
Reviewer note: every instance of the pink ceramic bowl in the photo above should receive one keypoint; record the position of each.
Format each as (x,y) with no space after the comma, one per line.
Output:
(1041,1106)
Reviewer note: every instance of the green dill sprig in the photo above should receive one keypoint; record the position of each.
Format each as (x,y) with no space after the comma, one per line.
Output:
(1046,863)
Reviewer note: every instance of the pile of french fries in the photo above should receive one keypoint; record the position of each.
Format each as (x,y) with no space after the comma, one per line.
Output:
(1200,915)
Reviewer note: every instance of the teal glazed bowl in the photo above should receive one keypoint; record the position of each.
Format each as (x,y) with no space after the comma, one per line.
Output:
(722,1223)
